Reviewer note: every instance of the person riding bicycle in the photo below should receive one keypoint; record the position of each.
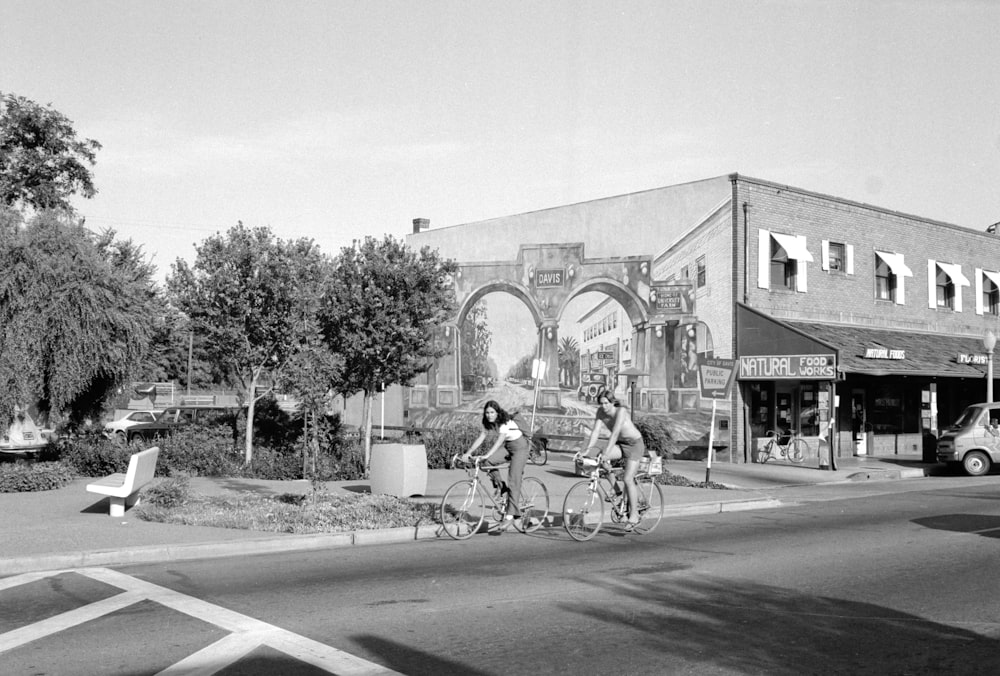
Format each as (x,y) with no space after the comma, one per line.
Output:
(615,417)
(509,436)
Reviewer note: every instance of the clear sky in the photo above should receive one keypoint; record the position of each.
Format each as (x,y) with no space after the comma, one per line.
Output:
(339,119)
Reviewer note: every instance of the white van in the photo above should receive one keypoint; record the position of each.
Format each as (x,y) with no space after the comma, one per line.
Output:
(973,439)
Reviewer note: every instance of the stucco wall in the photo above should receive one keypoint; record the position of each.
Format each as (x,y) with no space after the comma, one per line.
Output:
(640,223)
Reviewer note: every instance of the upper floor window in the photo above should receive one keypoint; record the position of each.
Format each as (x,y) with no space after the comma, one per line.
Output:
(890,277)
(700,263)
(885,281)
(944,290)
(988,292)
(781,261)
(838,257)
(944,285)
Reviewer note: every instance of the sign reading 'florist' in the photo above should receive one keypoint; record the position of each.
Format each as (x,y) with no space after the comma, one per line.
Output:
(789,367)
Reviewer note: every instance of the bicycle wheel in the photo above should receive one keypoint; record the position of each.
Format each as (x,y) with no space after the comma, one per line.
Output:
(766,453)
(797,450)
(583,511)
(534,505)
(538,453)
(650,505)
(462,510)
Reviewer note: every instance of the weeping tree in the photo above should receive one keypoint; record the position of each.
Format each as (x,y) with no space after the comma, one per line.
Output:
(249,294)
(382,303)
(77,311)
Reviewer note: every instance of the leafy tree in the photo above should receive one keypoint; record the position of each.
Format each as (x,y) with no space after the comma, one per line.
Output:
(249,295)
(569,361)
(475,344)
(77,311)
(42,162)
(381,306)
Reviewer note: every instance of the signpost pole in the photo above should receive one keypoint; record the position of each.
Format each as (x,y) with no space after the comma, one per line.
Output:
(711,445)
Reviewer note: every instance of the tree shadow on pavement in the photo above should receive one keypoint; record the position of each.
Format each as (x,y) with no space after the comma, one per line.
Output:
(723,626)
(406,660)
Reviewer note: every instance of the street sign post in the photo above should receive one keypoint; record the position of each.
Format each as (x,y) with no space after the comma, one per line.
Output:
(716,377)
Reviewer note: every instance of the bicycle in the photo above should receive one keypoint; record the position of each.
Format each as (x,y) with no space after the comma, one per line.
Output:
(583,508)
(538,450)
(794,447)
(464,508)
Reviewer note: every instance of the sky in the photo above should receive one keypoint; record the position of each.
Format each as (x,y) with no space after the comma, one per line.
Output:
(334,120)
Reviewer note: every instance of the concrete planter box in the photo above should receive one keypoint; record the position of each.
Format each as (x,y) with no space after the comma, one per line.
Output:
(399,469)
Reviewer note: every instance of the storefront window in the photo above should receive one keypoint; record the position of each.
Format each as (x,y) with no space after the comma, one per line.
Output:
(809,409)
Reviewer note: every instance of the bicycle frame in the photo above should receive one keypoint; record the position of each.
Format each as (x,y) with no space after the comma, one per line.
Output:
(464,504)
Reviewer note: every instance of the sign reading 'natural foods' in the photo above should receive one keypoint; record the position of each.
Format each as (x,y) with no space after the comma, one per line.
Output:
(789,367)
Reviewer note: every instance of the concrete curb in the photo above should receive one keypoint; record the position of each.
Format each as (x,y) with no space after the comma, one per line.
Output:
(301,543)
(888,474)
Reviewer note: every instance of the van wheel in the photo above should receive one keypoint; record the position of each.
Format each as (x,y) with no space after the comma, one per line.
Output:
(976,463)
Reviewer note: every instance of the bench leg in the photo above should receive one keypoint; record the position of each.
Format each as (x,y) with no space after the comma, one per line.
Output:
(117,506)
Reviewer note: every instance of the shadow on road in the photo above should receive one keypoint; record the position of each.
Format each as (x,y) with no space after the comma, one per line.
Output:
(759,629)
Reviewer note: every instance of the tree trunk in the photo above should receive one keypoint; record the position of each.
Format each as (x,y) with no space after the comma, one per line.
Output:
(251,401)
(366,421)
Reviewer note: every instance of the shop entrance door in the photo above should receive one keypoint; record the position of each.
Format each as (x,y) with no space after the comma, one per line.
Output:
(859,422)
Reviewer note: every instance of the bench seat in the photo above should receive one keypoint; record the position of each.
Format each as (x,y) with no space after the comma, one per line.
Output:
(123,489)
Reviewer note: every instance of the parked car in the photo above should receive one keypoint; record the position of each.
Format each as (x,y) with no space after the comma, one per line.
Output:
(175,417)
(116,428)
(23,436)
(973,440)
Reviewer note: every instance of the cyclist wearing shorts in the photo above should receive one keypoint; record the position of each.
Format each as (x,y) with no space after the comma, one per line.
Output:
(509,436)
(617,420)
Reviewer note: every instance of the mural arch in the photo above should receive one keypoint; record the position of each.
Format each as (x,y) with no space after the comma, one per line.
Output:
(546,278)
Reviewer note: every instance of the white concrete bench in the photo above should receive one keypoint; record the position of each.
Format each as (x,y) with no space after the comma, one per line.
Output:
(123,489)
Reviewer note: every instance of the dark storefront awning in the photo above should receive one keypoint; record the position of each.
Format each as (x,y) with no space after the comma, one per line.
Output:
(862,350)
(882,352)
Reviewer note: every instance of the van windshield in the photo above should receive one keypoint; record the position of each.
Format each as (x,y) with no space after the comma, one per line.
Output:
(969,417)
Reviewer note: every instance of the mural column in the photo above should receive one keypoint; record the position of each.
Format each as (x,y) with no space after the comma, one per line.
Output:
(449,371)
(548,387)
(654,339)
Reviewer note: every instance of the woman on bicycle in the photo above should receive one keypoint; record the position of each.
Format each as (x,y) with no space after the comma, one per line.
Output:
(615,417)
(509,436)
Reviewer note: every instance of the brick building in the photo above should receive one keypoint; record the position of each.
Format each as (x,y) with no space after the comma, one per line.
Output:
(857,327)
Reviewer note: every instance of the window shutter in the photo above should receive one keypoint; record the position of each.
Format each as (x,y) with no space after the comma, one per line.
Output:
(932,284)
(979,290)
(825,254)
(764,259)
(850,259)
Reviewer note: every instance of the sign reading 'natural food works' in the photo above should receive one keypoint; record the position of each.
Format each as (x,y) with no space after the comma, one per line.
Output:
(789,367)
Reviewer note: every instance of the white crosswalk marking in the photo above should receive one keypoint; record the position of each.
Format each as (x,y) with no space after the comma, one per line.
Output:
(247,633)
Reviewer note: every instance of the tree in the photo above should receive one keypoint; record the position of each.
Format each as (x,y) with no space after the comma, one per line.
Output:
(475,344)
(569,361)
(250,295)
(77,311)
(42,162)
(382,304)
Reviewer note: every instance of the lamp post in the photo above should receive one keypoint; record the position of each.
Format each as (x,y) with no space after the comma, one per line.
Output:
(989,342)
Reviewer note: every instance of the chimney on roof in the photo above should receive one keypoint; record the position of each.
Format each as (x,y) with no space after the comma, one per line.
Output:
(421,224)
(992,229)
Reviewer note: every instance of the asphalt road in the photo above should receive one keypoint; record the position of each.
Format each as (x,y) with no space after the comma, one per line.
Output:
(898,582)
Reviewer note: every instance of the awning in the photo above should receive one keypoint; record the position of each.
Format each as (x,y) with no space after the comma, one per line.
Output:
(954,272)
(794,246)
(993,277)
(895,263)
(882,352)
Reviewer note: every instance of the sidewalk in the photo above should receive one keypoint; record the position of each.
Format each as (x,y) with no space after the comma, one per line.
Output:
(70,527)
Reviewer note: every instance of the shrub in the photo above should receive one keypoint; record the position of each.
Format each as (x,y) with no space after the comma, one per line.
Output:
(21,477)
(270,463)
(91,455)
(172,492)
(442,444)
(198,450)
(656,435)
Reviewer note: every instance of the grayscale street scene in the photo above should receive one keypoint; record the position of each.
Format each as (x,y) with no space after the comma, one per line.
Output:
(454,338)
